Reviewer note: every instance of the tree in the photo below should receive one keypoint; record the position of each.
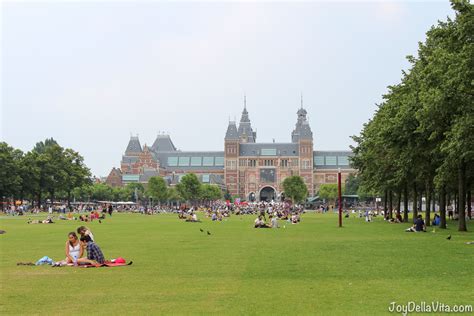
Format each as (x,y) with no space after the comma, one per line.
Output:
(189,187)
(173,195)
(101,192)
(76,173)
(135,191)
(295,188)
(329,191)
(157,189)
(421,137)
(210,192)
(10,171)
(352,184)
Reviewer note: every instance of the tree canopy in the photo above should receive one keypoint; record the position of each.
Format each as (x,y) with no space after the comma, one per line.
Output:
(421,137)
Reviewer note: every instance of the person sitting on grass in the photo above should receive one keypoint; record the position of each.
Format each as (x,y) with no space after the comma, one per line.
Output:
(74,251)
(436,220)
(192,218)
(94,254)
(84,231)
(419,225)
(295,218)
(260,223)
(273,221)
(398,218)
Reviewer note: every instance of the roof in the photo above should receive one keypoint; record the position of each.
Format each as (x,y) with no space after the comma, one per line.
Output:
(163,143)
(302,129)
(133,145)
(147,174)
(232,133)
(245,127)
(129,159)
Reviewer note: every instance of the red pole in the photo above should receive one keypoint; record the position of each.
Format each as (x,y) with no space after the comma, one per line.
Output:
(339,195)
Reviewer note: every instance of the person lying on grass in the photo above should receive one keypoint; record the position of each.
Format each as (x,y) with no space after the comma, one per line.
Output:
(419,225)
(49,220)
(74,251)
(94,254)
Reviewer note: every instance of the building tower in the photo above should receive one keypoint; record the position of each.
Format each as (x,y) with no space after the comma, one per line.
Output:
(246,133)
(231,153)
(303,135)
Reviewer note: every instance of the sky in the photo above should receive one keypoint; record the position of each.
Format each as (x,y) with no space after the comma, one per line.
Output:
(90,74)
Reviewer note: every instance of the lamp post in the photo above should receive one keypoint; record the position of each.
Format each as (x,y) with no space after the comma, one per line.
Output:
(339,195)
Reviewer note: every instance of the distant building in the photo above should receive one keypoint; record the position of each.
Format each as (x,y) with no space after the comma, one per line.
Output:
(251,170)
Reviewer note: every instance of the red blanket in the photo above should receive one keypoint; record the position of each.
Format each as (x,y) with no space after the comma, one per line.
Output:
(106,264)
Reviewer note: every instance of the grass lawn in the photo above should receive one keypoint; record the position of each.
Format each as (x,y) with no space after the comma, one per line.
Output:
(310,268)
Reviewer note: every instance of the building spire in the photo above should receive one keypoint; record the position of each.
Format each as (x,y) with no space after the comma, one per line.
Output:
(301,99)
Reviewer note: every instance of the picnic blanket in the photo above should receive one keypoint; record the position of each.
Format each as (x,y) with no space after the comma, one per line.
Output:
(106,264)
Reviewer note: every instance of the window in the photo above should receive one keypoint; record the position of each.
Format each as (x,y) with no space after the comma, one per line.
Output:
(219,161)
(343,161)
(267,175)
(284,163)
(306,164)
(268,162)
(196,161)
(205,178)
(242,162)
(294,162)
(268,152)
(231,149)
(208,161)
(172,161)
(252,163)
(130,177)
(331,160)
(183,161)
(319,160)
(231,164)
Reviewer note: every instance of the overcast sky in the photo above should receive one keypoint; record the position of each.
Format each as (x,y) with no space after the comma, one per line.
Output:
(89,74)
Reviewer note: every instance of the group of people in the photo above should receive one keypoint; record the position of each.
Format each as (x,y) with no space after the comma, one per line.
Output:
(260,221)
(75,247)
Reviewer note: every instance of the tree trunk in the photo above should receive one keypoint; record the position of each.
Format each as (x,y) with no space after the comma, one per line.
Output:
(428,204)
(51,197)
(390,197)
(405,204)
(462,197)
(469,208)
(39,199)
(399,202)
(69,199)
(415,203)
(385,208)
(456,204)
(442,207)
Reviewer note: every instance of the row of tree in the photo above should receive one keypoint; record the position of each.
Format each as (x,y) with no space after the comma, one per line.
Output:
(421,139)
(188,189)
(47,170)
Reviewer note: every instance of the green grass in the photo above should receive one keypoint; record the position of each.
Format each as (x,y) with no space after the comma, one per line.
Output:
(311,268)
